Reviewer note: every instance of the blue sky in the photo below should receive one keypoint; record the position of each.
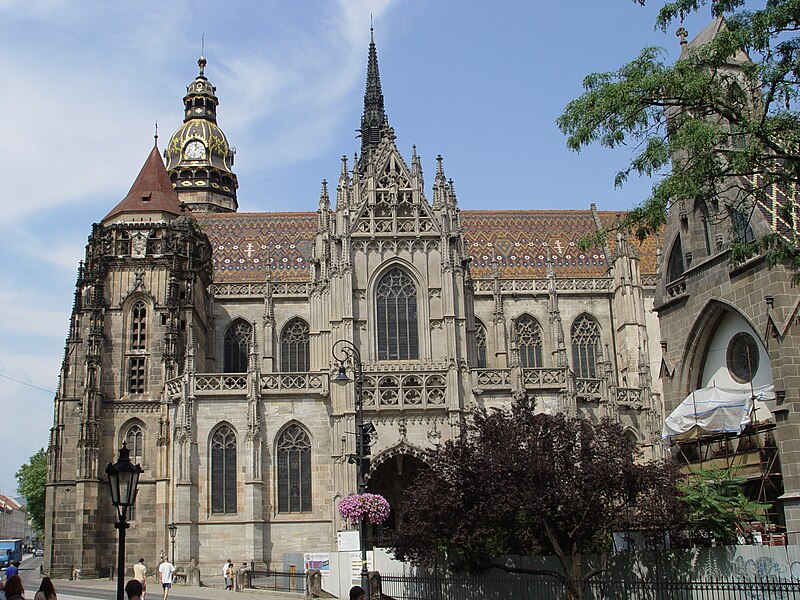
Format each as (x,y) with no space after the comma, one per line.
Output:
(84,82)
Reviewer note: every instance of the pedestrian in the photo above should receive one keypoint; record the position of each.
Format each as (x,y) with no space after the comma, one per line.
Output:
(357,593)
(134,589)
(46,590)
(241,577)
(140,573)
(14,588)
(166,569)
(227,573)
(12,569)
(2,590)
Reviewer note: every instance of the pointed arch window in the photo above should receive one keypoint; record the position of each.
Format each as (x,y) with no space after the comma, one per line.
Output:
(480,344)
(529,342)
(294,470)
(134,439)
(294,347)
(237,346)
(396,316)
(675,266)
(223,470)
(585,347)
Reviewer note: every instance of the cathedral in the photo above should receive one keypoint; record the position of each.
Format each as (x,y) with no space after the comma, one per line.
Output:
(202,337)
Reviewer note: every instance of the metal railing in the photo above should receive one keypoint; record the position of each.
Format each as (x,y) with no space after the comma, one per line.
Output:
(432,587)
(276,581)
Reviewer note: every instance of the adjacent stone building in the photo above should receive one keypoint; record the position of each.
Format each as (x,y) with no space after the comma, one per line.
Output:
(202,338)
(734,328)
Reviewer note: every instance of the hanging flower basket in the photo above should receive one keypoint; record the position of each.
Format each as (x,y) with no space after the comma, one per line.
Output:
(373,507)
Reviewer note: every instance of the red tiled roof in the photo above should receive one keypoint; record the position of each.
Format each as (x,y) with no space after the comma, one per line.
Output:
(151,192)
(246,244)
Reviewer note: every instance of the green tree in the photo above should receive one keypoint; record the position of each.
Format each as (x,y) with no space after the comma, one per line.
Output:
(524,483)
(717,508)
(31,479)
(718,124)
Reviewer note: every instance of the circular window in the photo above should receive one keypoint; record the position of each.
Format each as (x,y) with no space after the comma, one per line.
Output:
(742,357)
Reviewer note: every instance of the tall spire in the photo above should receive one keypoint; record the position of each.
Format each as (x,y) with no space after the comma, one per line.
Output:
(374,124)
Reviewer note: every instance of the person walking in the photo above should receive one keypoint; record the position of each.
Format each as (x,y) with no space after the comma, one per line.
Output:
(140,573)
(12,569)
(166,570)
(14,588)
(227,574)
(46,590)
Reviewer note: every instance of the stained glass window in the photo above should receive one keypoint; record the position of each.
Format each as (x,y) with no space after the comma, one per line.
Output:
(480,344)
(237,345)
(585,347)
(529,341)
(396,308)
(294,346)
(294,470)
(223,471)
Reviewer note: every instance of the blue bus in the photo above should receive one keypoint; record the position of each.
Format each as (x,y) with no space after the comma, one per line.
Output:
(10,550)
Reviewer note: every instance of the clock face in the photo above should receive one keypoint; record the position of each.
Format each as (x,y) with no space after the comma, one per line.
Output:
(194,150)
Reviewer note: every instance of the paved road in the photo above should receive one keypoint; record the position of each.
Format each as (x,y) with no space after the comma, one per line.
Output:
(89,589)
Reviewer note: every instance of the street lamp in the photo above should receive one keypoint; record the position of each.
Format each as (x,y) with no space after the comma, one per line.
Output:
(345,351)
(123,481)
(173,531)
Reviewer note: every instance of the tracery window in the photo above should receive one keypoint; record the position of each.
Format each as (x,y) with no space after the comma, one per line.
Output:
(529,342)
(223,470)
(585,339)
(294,346)
(134,438)
(480,344)
(294,470)
(396,316)
(237,345)
(138,326)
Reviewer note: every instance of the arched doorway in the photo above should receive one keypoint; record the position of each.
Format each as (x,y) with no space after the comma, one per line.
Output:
(390,478)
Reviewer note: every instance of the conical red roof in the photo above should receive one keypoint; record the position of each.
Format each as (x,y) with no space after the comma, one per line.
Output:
(152,191)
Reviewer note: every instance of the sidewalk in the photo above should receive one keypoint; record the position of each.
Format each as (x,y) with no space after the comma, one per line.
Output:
(103,588)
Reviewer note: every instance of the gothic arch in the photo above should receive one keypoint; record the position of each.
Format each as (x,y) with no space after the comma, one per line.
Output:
(530,341)
(136,443)
(585,338)
(421,306)
(675,265)
(223,460)
(293,468)
(402,447)
(701,334)
(295,345)
(481,344)
(236,345)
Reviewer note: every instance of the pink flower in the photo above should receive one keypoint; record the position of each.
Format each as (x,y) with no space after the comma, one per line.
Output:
(374,507)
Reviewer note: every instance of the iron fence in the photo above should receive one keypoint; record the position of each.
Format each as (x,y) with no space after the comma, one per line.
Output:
(432,587)
(276,581)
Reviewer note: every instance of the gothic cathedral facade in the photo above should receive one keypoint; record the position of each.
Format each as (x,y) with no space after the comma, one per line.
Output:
(202,338)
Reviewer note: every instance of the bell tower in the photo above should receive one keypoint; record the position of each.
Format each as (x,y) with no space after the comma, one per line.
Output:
(198,155)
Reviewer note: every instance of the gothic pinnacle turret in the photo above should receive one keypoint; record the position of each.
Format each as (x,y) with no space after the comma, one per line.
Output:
(374,124)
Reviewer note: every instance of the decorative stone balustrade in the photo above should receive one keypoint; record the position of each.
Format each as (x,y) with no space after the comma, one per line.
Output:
(676,288)
(542,286)
(588,388)
(492,379)
(545,378)
(407,391)
(293,383)
(629,395)
(220,383)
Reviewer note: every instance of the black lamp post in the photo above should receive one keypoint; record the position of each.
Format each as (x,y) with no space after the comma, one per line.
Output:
(123,481)
(173,531)
(345,351)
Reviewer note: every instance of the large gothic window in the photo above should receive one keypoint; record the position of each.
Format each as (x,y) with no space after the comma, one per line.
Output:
(223,471)
(294,346)
(138,326)
(396,316)
(585,347)
(237,346)
(294,470)
(529,342)
(480,344)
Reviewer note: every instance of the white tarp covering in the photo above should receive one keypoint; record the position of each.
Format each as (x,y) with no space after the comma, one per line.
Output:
(715,410)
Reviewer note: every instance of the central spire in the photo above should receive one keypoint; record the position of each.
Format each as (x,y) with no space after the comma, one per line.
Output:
(374,124)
